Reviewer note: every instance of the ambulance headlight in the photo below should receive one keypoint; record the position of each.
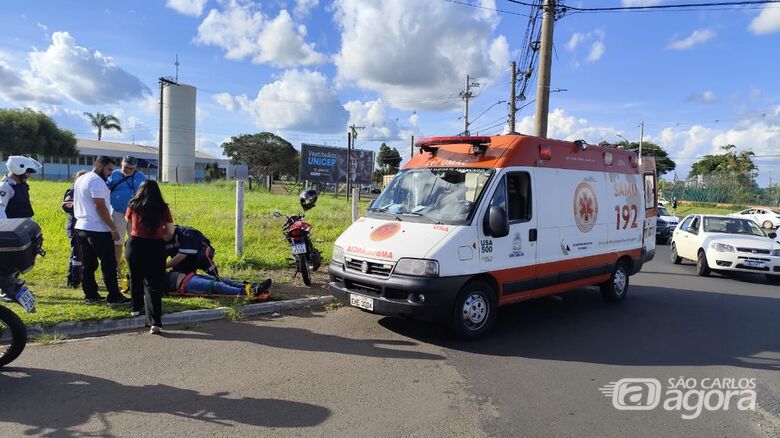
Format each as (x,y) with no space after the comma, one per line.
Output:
(338,254)
(417,267)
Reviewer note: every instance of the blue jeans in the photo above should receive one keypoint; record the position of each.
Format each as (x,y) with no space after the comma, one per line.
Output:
(200,284)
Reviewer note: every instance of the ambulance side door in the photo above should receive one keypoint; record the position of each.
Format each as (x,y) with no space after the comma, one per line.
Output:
(511,258)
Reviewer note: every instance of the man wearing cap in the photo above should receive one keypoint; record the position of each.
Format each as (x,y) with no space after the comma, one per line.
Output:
(14,191)
(123,184)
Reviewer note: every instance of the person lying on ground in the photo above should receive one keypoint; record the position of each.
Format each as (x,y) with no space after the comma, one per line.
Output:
(207,285)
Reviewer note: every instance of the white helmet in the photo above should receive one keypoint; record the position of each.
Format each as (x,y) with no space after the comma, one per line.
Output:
(19,165)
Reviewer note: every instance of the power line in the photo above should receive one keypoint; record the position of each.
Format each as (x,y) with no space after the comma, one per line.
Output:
(463,3)
(661,7)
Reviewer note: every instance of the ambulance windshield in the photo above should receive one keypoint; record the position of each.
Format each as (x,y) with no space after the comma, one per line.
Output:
(439,195)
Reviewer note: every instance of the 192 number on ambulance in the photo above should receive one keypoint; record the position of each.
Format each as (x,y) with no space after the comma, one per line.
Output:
(628,214)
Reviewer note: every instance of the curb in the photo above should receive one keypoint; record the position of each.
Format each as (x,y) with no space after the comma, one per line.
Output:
(137,322)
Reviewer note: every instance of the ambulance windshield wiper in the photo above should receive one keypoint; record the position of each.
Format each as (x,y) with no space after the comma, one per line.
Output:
(385,210)
(422,215)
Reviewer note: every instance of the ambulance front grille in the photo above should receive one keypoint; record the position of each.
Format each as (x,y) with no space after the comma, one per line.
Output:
(371,268)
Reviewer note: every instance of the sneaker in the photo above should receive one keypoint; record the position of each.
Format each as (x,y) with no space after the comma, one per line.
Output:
(121,300)
(137,313)
(260,288)
(155,330)
(6,298)
(94,300)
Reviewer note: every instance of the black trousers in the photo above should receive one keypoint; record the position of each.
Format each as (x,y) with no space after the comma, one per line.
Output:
(98,246)
(148,280)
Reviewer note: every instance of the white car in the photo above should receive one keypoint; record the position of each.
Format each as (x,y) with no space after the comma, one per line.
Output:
(726,243)
(765,217)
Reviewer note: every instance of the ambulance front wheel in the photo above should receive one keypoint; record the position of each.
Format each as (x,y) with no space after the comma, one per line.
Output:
(616,287)
(475,310)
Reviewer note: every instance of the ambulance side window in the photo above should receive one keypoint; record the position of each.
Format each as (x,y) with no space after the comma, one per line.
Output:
(518,187)
(649,191)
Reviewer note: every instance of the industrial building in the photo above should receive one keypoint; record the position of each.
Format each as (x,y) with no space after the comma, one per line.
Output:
(60,169)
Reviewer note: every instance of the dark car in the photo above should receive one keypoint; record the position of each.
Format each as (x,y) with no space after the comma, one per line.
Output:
(665,223)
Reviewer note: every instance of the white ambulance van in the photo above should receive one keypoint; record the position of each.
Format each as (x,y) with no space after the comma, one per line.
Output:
(473,223)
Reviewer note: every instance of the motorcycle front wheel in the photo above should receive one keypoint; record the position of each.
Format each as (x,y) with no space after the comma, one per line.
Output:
(303,268)
(13,336)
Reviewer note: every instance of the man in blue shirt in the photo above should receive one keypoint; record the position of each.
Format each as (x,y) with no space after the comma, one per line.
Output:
(123,184)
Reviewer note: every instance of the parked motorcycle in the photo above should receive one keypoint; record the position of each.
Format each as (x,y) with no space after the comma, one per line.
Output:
(21,241)
(298,235)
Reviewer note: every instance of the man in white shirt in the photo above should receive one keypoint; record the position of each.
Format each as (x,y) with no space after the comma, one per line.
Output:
(97,232)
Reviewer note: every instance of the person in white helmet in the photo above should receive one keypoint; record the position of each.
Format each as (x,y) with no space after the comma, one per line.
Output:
(14,191)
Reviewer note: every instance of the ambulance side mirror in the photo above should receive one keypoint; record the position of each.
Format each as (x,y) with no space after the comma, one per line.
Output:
(498,222)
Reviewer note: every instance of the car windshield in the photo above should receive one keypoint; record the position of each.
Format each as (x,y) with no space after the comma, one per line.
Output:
(663,211)
(446,195)
(777,212)
(732,226)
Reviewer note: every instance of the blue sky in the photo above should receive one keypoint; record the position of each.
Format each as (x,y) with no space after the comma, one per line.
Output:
(305,69)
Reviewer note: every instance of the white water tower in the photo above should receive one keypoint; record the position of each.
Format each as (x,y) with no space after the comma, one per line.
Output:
(178,136)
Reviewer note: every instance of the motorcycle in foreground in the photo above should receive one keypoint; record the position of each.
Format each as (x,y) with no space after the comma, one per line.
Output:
(20,242)
(298,235)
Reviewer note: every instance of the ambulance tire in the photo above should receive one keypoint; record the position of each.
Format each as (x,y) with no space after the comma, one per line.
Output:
(475,310)
(616,288)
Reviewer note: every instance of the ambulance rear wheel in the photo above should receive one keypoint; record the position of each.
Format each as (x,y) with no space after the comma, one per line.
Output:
(475,310)
(616,287)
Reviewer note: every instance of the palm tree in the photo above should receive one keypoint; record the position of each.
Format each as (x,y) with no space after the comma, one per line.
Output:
(103,121)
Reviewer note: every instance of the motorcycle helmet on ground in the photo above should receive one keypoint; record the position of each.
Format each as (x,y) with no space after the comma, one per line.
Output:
(19,165)
(308,198)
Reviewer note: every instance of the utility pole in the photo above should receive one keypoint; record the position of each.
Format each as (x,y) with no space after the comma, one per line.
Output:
(545,65)
(512,103)
(466,95)
(641,136)
(411,155)
(351,136)
(177,67)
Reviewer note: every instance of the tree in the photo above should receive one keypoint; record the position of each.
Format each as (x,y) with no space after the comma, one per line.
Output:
(104,122)
(264,153)
(211,172)
(739,167)
(28,132)
(663,164)
(388,160)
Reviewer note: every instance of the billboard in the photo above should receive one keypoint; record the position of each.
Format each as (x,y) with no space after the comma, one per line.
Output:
(329,164)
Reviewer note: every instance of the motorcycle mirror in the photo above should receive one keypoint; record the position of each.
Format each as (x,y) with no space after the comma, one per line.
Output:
(277,214)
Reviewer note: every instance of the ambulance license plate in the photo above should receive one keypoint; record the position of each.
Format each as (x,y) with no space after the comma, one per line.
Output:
(754,263)
(361,302)
(26,299)
(299,248)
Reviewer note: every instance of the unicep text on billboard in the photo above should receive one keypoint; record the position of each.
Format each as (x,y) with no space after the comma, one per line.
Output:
(329,164)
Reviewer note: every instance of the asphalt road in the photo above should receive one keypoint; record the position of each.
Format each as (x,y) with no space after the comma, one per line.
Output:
(350,373)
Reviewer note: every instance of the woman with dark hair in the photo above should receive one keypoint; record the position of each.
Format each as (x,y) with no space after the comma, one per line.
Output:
(151,225)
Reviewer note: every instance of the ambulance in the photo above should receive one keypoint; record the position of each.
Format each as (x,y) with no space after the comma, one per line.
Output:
(474,223)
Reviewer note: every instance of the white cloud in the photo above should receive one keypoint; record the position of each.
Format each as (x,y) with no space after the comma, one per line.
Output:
(594,38)
(299,101)
(575,41)
(417,54)
(244,32)
(698,37)
(568,127)
(768,21)
(225,100)
(706,97)
(372,115)
(597,50)
(192,8)
(209,146)
(65,69)
(303,7)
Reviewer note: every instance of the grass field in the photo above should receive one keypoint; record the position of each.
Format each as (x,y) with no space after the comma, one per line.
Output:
(207,207)
(685,210)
